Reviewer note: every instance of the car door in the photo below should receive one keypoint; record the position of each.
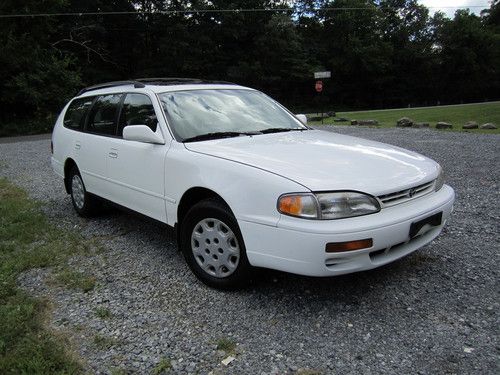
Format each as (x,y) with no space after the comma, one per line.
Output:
(93,144)
(136,169)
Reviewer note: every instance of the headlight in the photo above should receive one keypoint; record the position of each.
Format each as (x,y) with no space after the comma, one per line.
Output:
(439,180)
(325,206)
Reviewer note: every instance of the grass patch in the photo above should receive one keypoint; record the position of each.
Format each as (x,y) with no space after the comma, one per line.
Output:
(457,115)
(226,345)
(28,240)
(162,367)
(103,313)
(103,342)
(75,280)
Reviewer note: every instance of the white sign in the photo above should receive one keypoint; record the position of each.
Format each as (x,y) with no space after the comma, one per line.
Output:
(322,75)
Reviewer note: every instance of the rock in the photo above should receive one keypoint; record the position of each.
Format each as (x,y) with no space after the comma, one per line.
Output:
(331,114)
(443,125)
(470,125)
(404,122)
(226,361)
(368,122)
(488,125)
(418,125)
(341,119)
(354,122)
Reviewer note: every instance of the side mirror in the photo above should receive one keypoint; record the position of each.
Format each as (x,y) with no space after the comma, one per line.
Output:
(302,118)
(142,133)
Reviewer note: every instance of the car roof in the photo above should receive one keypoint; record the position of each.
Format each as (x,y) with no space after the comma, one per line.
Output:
(157,85)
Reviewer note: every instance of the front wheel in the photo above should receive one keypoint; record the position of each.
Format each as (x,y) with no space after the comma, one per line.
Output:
(213,247)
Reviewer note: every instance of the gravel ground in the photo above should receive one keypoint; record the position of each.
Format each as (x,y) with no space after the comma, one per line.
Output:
(435,311)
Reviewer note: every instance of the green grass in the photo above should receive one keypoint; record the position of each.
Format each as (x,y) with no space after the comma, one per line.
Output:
(456,115)
(162,367)
(226,345)
(28,240)
(75,280)
(103,313)
(103,342)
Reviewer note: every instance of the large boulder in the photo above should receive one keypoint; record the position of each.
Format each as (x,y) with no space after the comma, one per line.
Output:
(443,125)
(404,122)
(368,122)
(488,125)
(470,125)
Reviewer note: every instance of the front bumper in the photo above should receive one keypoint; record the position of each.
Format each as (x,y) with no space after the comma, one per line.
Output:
(298,245)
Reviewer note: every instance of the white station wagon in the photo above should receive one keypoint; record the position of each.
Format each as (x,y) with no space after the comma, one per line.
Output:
(244,182)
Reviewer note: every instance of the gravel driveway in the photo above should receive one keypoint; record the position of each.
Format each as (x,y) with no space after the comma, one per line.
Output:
(436,311)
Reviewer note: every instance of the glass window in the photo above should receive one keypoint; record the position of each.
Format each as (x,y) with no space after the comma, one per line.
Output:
(137,110)
(102,118)
(74,118)
(197,112)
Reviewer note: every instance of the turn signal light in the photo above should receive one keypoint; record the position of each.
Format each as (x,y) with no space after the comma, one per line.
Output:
(337,247)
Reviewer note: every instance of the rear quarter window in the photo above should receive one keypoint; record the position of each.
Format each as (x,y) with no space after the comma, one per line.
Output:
(75,115)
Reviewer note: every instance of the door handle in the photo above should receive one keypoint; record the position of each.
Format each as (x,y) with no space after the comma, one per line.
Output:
(77,145)
(113,155)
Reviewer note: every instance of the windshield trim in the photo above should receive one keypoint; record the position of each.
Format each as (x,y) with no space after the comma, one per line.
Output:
(180,139)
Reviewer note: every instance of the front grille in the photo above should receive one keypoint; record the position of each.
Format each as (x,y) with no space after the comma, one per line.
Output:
(391,199)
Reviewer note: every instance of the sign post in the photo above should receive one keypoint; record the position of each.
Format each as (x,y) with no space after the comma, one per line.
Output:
(319,87)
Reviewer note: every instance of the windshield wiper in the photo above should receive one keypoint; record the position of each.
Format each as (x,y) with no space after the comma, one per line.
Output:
(279,130)
(217,135)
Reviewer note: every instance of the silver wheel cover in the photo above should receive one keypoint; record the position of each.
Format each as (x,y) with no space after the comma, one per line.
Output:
(78,191)
(215,247)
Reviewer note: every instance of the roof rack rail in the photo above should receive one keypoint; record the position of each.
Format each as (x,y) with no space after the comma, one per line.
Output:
(142,82)
(178,81)
(105,85)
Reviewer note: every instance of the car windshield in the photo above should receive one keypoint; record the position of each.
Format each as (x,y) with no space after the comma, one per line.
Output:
(195,114)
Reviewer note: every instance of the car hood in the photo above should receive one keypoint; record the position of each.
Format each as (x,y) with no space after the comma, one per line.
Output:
(322,160)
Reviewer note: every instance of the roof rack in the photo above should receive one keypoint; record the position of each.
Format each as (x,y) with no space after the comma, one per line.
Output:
(178,81)
(142,82)
(105,85)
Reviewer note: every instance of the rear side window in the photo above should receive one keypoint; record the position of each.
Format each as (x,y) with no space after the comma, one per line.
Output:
(74,118)
(137,110)
(102,117)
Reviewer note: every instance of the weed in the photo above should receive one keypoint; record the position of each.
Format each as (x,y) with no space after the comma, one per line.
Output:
(226,345)
(162,367)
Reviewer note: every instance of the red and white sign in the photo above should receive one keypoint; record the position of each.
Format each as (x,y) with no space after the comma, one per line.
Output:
(319,86)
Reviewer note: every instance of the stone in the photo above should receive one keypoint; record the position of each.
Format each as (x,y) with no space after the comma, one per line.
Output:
(470,125)
(367,122)
(404,122)
(354,122)
(488,125)
(226,361)
(443,125)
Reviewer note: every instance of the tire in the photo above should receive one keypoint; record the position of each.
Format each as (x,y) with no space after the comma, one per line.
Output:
(85,204)
(213,247)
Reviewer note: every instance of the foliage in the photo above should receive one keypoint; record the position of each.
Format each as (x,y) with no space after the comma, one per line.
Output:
(382,53)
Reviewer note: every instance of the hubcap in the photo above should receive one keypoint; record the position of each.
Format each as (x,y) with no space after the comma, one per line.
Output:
(215,247)
(78,191)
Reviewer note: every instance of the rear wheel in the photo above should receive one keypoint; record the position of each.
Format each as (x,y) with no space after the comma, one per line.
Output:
(84,203)
(213,247)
